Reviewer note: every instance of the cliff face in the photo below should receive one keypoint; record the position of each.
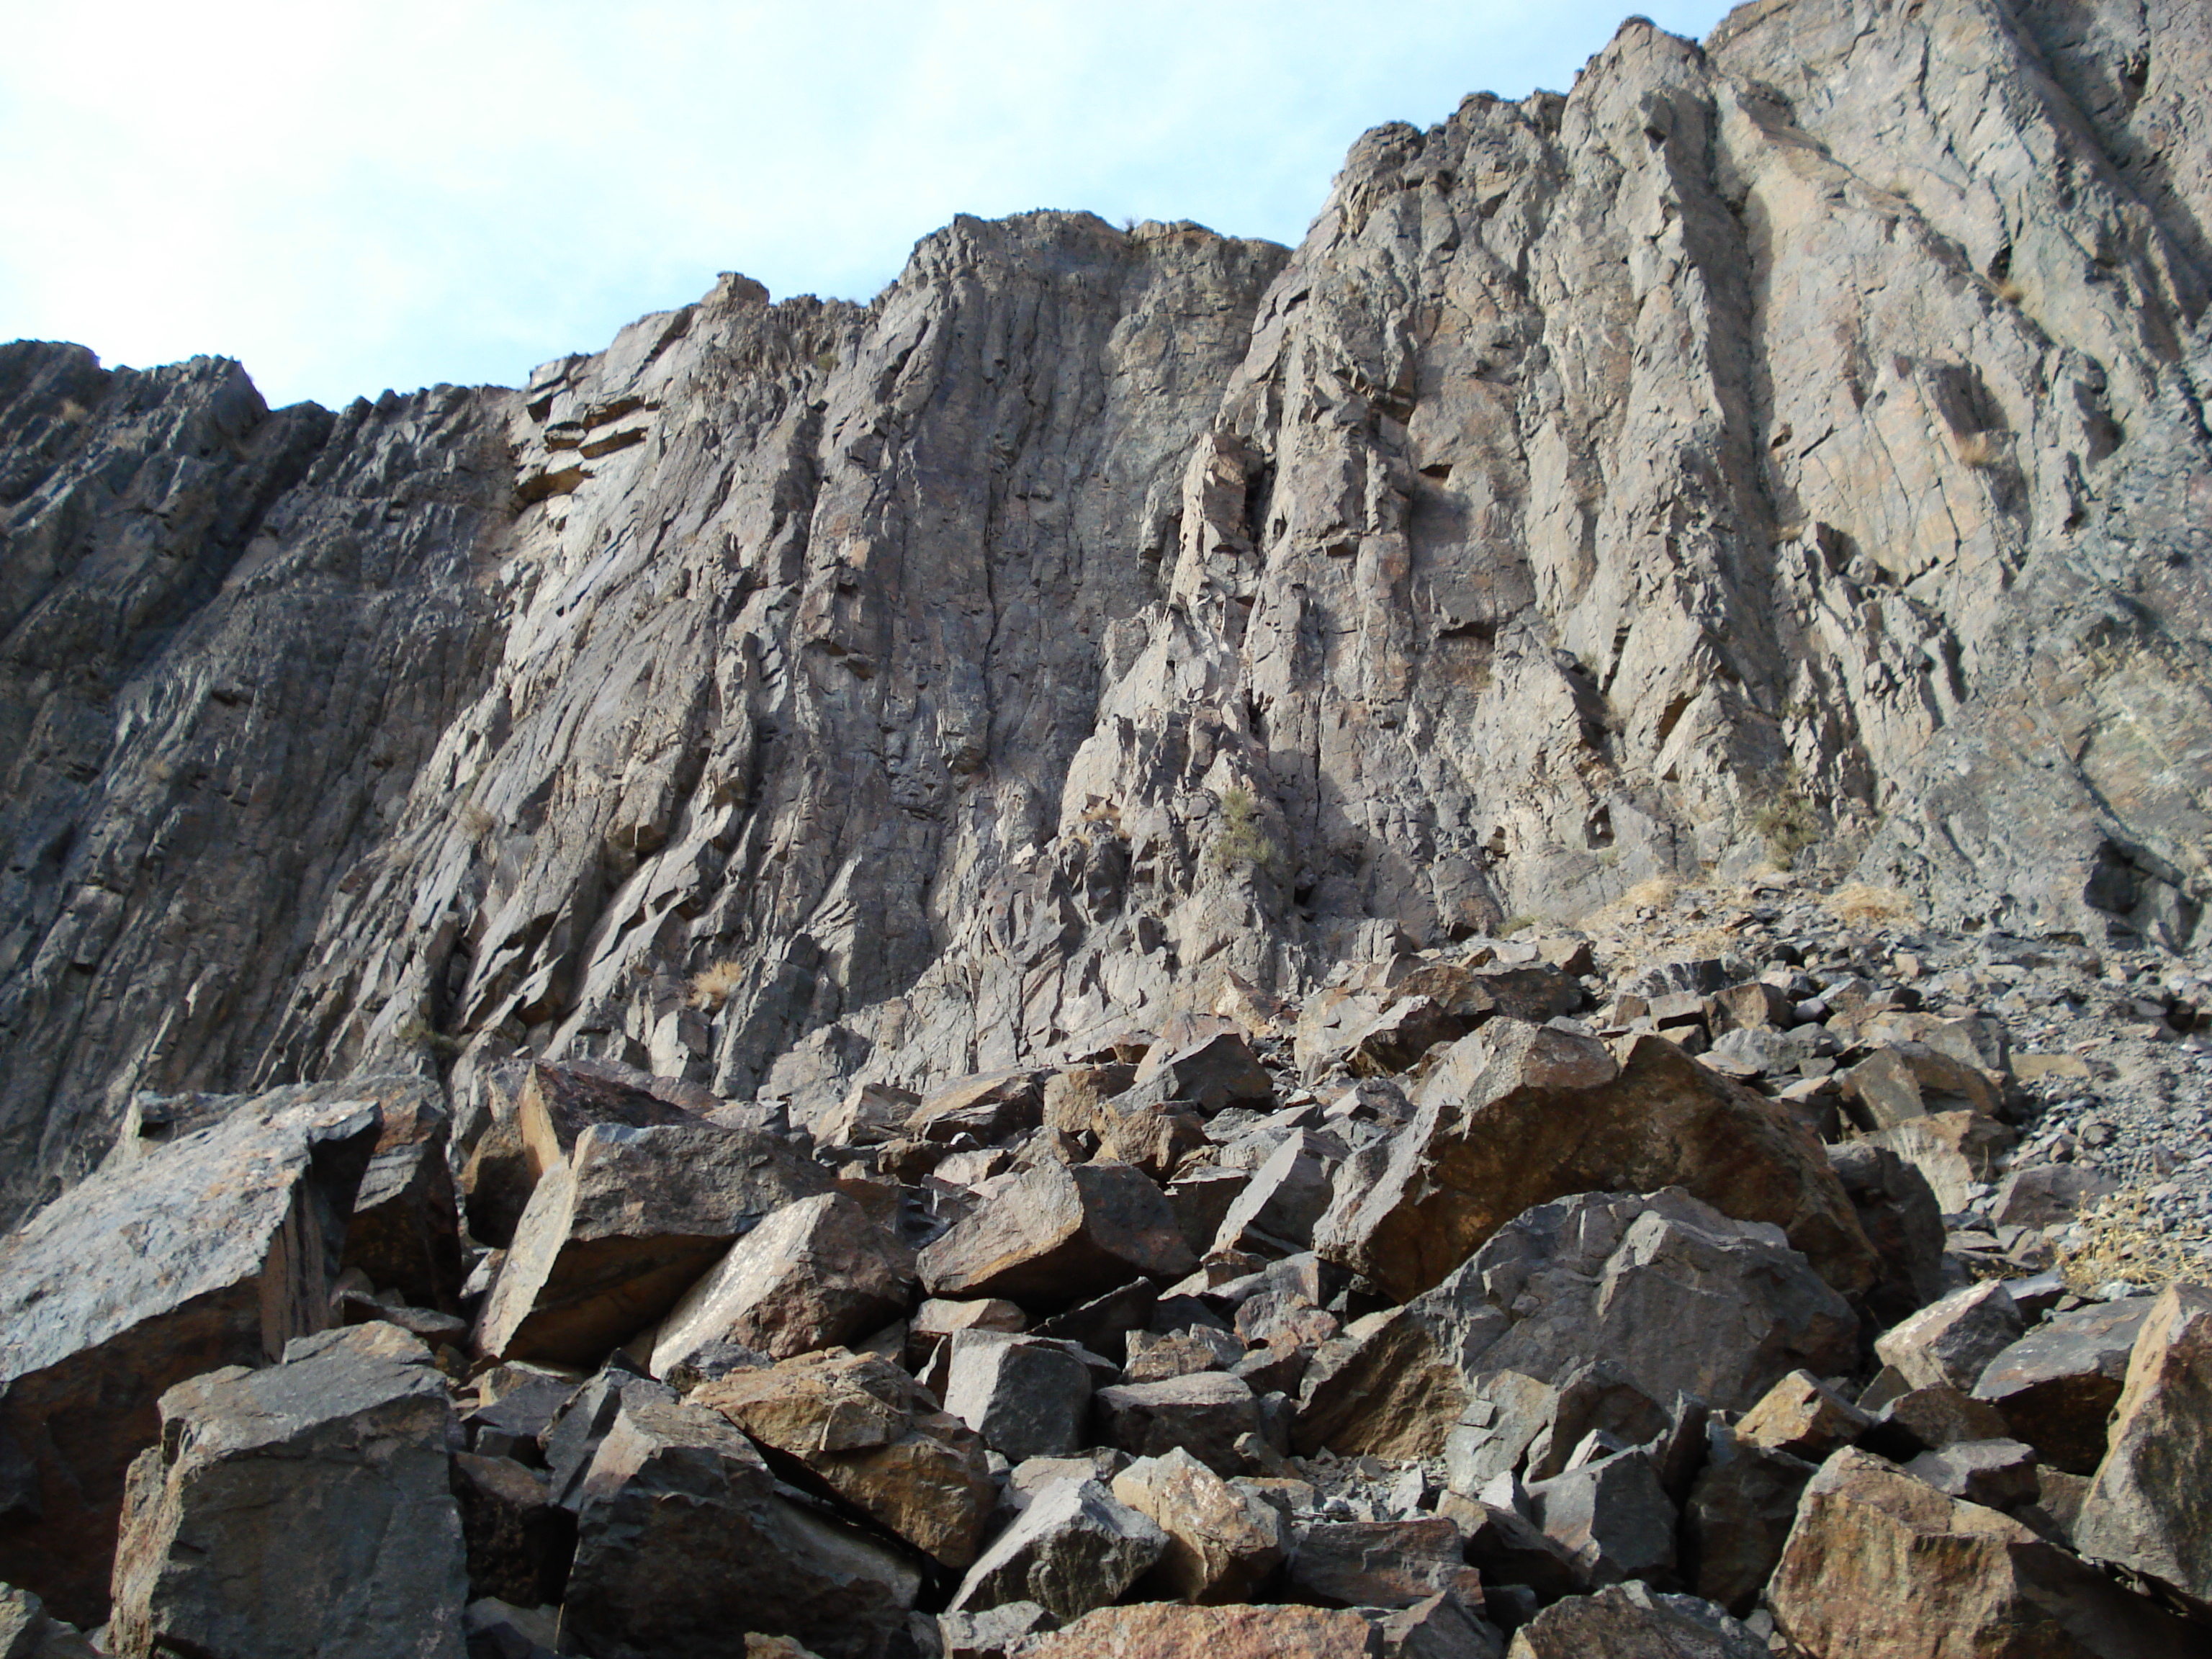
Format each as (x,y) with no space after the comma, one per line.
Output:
(1795,444)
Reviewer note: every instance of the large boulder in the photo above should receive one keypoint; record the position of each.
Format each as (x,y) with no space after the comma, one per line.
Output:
(611,1239)
(214,1250)
(684,1545)
(817,1273)
(1630,1621)
(861,1429)
(301,1509)
(1517,1115)
(1057,1235)
(2057,1385)
(1878,1562)
(405,1229)
(1676,1298)
(1026,1396)
(1950,1340)
(1075,1547)
(1223,1541)
(2145,1510)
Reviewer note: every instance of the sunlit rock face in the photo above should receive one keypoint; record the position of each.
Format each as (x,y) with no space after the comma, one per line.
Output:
(1786,447)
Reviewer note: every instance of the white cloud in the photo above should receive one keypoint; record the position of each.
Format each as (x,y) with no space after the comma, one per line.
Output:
(347,195)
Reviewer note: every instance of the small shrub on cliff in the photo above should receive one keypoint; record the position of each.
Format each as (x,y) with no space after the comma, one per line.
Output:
(1787,824)
(711,985)
(1240,843)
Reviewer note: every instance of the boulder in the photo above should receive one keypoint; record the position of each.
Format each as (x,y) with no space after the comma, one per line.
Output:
(816,1273)
(28,1632)
(1382,1563)
(1803,1416)
(1441,1626)
(2145,1510)
(1517,1114)
(405,1232)
(1276,1213)
(555,1103)
(1057,1235)
(1194,1348)
(1075,1547)
(1612,1516)
(518,1540)
(301,1509)
(1025,1396)
(1929,1419)
(1395,1039)
(684,1545)
(1224,1541)
(1954,1151)
(609,1240)
(1998,1473)
(1897,1084)
(1738,1517)
(1210,1072)
(991,1106)
(863,1431)
(1878,1562)
(1632,1621)
(2044,1194)
(1158,1630)
(2057,1385)
(1898,1212)
(1205,1413)
(1676,1298)
(215,1248)
(1949,1341)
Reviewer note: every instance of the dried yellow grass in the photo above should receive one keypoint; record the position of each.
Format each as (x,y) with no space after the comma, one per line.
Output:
(711,985)
(1857,902)
(2122,1241)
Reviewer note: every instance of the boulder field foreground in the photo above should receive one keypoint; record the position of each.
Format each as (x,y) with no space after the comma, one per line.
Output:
(1484,939)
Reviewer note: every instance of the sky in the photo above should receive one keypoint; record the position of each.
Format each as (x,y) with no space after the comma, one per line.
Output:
(351,195)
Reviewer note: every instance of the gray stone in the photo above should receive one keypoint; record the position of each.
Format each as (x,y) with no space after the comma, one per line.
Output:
(1054,1236)
(1631,1621)
(2000,1473)
(1205,1413)
(1898,1212)
(1738,1518)
(1612,1516)
(2057,1385)
(1950,1342)
(1074,1548)
(301,1509)
(1026,1396)
(1382,1563)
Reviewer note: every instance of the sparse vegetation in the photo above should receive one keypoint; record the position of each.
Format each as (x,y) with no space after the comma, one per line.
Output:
(477,822)
(2123,1238)
(2009,291)
(711,985)
(1787,822)
(1240,844)
(1978,449)
(418,1032)
(1865,906)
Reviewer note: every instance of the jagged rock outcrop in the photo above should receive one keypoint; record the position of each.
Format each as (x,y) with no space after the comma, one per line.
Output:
(1788,447)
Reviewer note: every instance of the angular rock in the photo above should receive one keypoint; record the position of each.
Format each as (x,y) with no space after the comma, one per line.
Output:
(1676,1298)
(1025,1396)
(404,1231)
(1155,1630)
(1879,1561)
(1516,1115)
(1631,1621)
(1803,1416)
(610,1240)
(2047,1193)
(1074,1548)
(27,1632)
(1224,1543)
(518,1540)
(1997,1473)
(2057,1385)
(1205,1413)
(1382,1563)
(2145,1509)
(1441,1627)
(1738,1517)
(215,1249)
(991,1632)
(867,1433)
(1197,1348)
(301,1509)
(1612,1516)
(1212,1073)
(1929,1419)
(1953,1152)
(1896,1084)
(1056,1236)
(1950,1342)
(1395,1039)
(555,1104)
(993,1107)
(1286,1197)
(1898,1212)
(683,1545)
(572,1440)
(816,1273)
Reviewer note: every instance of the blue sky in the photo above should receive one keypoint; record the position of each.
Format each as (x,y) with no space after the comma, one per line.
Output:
(350,196)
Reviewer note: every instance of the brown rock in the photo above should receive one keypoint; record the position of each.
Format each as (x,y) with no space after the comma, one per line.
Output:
(2146,1508)
(868,1434)
(1382,1563)
(215,1249)
(1631,1621)
(992,1106)
(557,1104)
(1951,1340)
(2057,1385)
(610,1240)
(814,1275)
(1395,1039)
(1156,1630)
(1056,1236)
(1803,1416)
(1879,1561)
(1210,1072)
(1953,1150)
(1517,1115)
(1205,1413)
(1224,1543)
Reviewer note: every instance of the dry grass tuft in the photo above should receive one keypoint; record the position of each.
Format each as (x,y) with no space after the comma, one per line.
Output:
(711,985)
(1978,449)
(2010,292)
(1857,902)
(476,821)
(2123,1240)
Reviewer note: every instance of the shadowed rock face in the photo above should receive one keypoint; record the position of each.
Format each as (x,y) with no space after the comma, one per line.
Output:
(1790,439)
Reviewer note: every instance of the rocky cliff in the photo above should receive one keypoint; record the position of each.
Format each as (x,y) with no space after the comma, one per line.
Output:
(1790,448)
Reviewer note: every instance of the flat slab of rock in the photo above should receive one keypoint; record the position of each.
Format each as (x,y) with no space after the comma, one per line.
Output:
(1517,1114)
(2145,1510)
(817,1273)
(612,1239)
(1675,1297)
(1057,1235)
(2057,1385)
(557,1104)
(214,1250)
(1632,1621)
(1382,1563)
(301,1509)
(1161,1630)
(1204,1413)
(683,1545)
(1879,1561)
(869,1434)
